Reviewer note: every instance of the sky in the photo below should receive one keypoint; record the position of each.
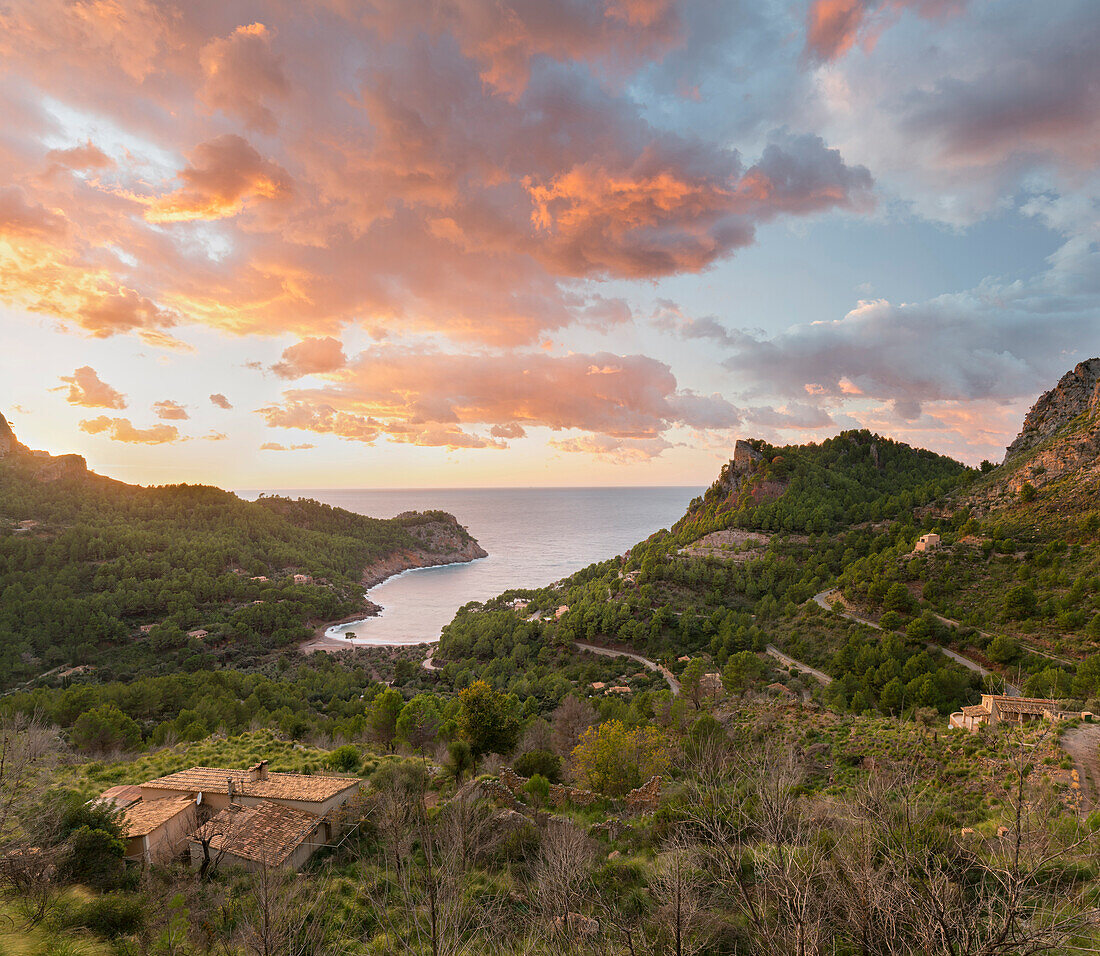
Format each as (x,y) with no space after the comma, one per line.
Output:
(416,243)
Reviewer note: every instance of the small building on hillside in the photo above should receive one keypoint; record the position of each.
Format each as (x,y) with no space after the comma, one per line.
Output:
(997,709)
(561,611)
(302,579)
(927,542)
(711,685)
(266,834)
(200,634)
(155,831)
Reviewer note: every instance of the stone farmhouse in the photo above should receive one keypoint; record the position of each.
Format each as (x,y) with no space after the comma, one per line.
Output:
(254,817)
(927,542)
(996,709)
(266,834)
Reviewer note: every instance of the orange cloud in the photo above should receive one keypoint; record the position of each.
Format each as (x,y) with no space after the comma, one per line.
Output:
(275,446)
(83,157)
(454,181)
(619,451)
(311,357)
(833,27)
(225,174)
(436,398)
(242,75)
(87,390)
(121,429)
(220,400)
(172,411)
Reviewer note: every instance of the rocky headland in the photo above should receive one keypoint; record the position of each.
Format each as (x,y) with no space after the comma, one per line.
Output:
(441,540)
(1061,434)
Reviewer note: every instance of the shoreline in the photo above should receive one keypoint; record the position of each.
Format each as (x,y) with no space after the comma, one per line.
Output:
(322,641)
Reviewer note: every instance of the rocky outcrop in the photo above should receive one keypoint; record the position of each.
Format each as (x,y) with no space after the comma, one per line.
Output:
(441,541)
(40,464)
(7,437)
(1077,393)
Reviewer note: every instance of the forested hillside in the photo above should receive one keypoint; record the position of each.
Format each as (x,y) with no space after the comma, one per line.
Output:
(98,573)
(730,740)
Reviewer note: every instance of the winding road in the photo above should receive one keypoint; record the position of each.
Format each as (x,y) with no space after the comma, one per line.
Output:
(821,599)
(774,651)
(673,683)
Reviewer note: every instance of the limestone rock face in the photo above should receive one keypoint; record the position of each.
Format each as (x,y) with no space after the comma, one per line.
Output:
(1077,392)
(40,464)
(7,438)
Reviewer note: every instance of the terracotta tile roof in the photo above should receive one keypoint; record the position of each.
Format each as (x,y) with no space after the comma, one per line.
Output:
(1026,705)
(121,796)
(266,833)
(146,815)
(315,788)
(976,710)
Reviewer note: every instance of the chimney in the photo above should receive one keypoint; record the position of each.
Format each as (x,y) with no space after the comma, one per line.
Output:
(257,771)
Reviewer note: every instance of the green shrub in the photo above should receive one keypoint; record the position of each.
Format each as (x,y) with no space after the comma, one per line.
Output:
(542,762)
(111,915)
(345,759)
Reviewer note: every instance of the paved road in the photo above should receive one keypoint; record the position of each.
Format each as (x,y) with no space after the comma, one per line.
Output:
(822,599)
(427,662)
(791,662)
(673,683)
(1030,648)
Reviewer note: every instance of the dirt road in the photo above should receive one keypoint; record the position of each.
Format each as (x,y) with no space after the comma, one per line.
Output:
(673,683)
(1083,745)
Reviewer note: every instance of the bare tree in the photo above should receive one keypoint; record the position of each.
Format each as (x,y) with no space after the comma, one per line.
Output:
(28,748)
(572,718)
(563,869)
(283,915)
(677,885)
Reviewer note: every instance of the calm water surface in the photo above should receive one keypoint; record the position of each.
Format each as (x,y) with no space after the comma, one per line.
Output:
(534,536)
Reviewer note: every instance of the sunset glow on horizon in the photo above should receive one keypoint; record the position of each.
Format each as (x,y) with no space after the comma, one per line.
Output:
(418,243)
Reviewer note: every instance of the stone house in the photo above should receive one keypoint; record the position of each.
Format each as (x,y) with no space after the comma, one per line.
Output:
(302,579)
(157,830)
(927,542)
(997,709)
(265,834)
(318,794)
(199,633)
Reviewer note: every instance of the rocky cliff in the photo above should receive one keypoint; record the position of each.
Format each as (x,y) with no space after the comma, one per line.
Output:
(1060,437)
(1076,394)
(40,464)
(442,541)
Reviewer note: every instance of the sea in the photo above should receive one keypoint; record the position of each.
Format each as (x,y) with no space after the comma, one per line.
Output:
(534,536)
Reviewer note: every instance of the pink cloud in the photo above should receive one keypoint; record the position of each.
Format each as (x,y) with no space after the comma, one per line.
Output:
(436,398)
(86,389)
(220,400)
(430,173)
(171,411)
(833,27)
(311,357)
(243,75)
(123,430)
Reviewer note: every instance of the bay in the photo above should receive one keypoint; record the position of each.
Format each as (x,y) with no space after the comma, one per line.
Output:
(534,536)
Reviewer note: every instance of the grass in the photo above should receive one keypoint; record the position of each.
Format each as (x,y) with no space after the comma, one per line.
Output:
(240,751)
(18,938)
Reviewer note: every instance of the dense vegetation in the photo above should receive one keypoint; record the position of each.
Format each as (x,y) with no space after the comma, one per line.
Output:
(803,813)
(100,558)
